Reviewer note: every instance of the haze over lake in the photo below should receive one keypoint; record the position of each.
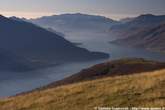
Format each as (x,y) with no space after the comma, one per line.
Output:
(92,41)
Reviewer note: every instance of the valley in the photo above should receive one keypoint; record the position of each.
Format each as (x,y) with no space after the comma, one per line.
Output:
(40,77)
(82,54)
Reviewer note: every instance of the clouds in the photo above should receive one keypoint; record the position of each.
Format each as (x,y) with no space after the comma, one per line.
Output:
(103,7)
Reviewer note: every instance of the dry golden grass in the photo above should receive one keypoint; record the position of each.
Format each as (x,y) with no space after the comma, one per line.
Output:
(139,90)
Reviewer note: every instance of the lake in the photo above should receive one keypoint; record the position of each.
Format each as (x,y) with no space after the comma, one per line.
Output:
(93,42)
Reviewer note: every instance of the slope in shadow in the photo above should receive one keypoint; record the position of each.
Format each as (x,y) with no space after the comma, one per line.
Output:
(111,69)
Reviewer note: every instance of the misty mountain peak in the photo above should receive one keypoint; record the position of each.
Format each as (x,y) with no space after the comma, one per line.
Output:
(2,17)
(18,19)
(75,22)
(40,45)
(147,15)
(150,17)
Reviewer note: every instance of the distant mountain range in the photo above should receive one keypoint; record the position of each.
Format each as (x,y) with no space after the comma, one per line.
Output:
(128,31)
(75,22)
(153,39)
(137,24)
(44,46)
(39,46)
(145,31)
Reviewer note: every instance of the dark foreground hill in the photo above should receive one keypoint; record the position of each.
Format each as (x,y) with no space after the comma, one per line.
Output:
(40,46)
(111,69)
(146,89)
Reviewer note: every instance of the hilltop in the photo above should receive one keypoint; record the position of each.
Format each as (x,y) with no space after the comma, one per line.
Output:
(144,90)
(125,66)
(138,90)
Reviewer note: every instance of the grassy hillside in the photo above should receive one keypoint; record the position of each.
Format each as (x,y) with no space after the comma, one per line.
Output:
(144,90)
(112,68)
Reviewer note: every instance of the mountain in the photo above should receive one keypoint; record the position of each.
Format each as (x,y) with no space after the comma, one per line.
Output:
(137,24)
(134,90)
(113,68)
(152,39)
(18,19)
(12,62)
(75,22)
(40,46)
(12,65)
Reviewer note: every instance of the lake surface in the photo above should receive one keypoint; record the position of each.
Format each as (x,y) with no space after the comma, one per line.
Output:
(93,42)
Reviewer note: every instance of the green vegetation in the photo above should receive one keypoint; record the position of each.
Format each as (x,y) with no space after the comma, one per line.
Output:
(138,90)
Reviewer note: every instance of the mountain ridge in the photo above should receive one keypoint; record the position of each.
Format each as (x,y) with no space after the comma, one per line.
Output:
(75,22)
(140,23)
(39,45)
(151,39)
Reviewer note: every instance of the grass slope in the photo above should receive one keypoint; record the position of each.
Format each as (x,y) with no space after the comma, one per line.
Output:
(140,90)
(125,66)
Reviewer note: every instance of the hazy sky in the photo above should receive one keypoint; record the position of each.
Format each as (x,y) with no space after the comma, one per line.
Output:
(111,8)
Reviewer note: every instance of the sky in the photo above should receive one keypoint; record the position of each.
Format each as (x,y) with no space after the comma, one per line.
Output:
(115,9)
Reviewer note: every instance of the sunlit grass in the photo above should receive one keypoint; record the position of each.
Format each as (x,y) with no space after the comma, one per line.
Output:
(140,90)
